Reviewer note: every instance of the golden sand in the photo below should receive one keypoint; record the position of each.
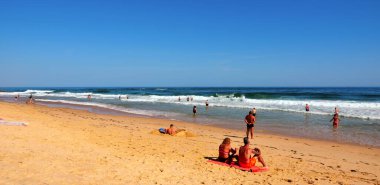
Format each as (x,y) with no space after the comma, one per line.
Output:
(64,146)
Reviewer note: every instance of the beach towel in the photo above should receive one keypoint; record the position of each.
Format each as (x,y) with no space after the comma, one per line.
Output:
(234,165)
(11,123)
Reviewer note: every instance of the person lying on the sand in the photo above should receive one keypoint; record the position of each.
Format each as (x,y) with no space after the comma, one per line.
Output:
(226,152)
(247,155)
(171,130)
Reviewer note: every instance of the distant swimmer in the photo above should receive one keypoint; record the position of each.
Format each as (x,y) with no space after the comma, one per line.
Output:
(250,121)
(187,98)
(179,98)
(191,99)
(126,96)
(206,103)
(336,110)
(307,108)
(195,110)
(335,120)
(89,97)
(119,97)
(254,111)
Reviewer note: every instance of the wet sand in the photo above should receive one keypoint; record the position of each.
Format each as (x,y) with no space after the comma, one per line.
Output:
(66,146)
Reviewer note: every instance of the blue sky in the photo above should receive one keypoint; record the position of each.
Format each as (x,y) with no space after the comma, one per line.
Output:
(190,43)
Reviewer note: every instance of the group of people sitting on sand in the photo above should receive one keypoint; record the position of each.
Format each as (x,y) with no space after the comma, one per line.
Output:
(246,157)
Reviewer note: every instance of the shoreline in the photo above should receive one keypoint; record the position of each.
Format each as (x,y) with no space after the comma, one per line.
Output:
(108,111)
(97,148)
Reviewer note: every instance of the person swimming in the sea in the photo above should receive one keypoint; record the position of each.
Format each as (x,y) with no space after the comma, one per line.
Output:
(206,103)
(307,108)
(247,156)
(179,98)
(226,152)
(188,99)
(89,97)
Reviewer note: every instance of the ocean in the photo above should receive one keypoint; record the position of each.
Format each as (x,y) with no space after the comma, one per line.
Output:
(279,110)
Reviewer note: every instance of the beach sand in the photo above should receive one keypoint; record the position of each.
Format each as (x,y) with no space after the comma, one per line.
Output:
(65,146)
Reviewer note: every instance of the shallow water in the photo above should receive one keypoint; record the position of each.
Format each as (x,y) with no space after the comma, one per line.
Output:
(279,110)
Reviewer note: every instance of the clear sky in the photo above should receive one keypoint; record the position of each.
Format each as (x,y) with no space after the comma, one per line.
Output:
(190,43)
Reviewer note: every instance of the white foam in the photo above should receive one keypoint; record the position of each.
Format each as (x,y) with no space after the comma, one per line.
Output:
(357,109)
(112,107)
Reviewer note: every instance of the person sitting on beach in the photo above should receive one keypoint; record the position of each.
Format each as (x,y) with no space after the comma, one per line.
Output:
(250,121)
(171,130)
(247,156)
(335,120)
(226,152)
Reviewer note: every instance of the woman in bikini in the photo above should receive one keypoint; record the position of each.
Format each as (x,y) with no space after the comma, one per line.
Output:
(226,152)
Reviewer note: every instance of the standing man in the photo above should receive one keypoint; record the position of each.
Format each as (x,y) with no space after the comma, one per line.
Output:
(250,121)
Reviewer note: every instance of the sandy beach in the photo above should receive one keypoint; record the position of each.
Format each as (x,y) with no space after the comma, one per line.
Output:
(65,146)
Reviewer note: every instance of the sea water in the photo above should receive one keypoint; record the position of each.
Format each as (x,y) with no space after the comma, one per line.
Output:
(279,110)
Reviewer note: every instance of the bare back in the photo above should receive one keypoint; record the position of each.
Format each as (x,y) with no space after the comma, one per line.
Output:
(245,154)
(224,150)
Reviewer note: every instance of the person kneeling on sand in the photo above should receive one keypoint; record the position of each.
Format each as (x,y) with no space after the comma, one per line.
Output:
(226,152)
(247,156)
